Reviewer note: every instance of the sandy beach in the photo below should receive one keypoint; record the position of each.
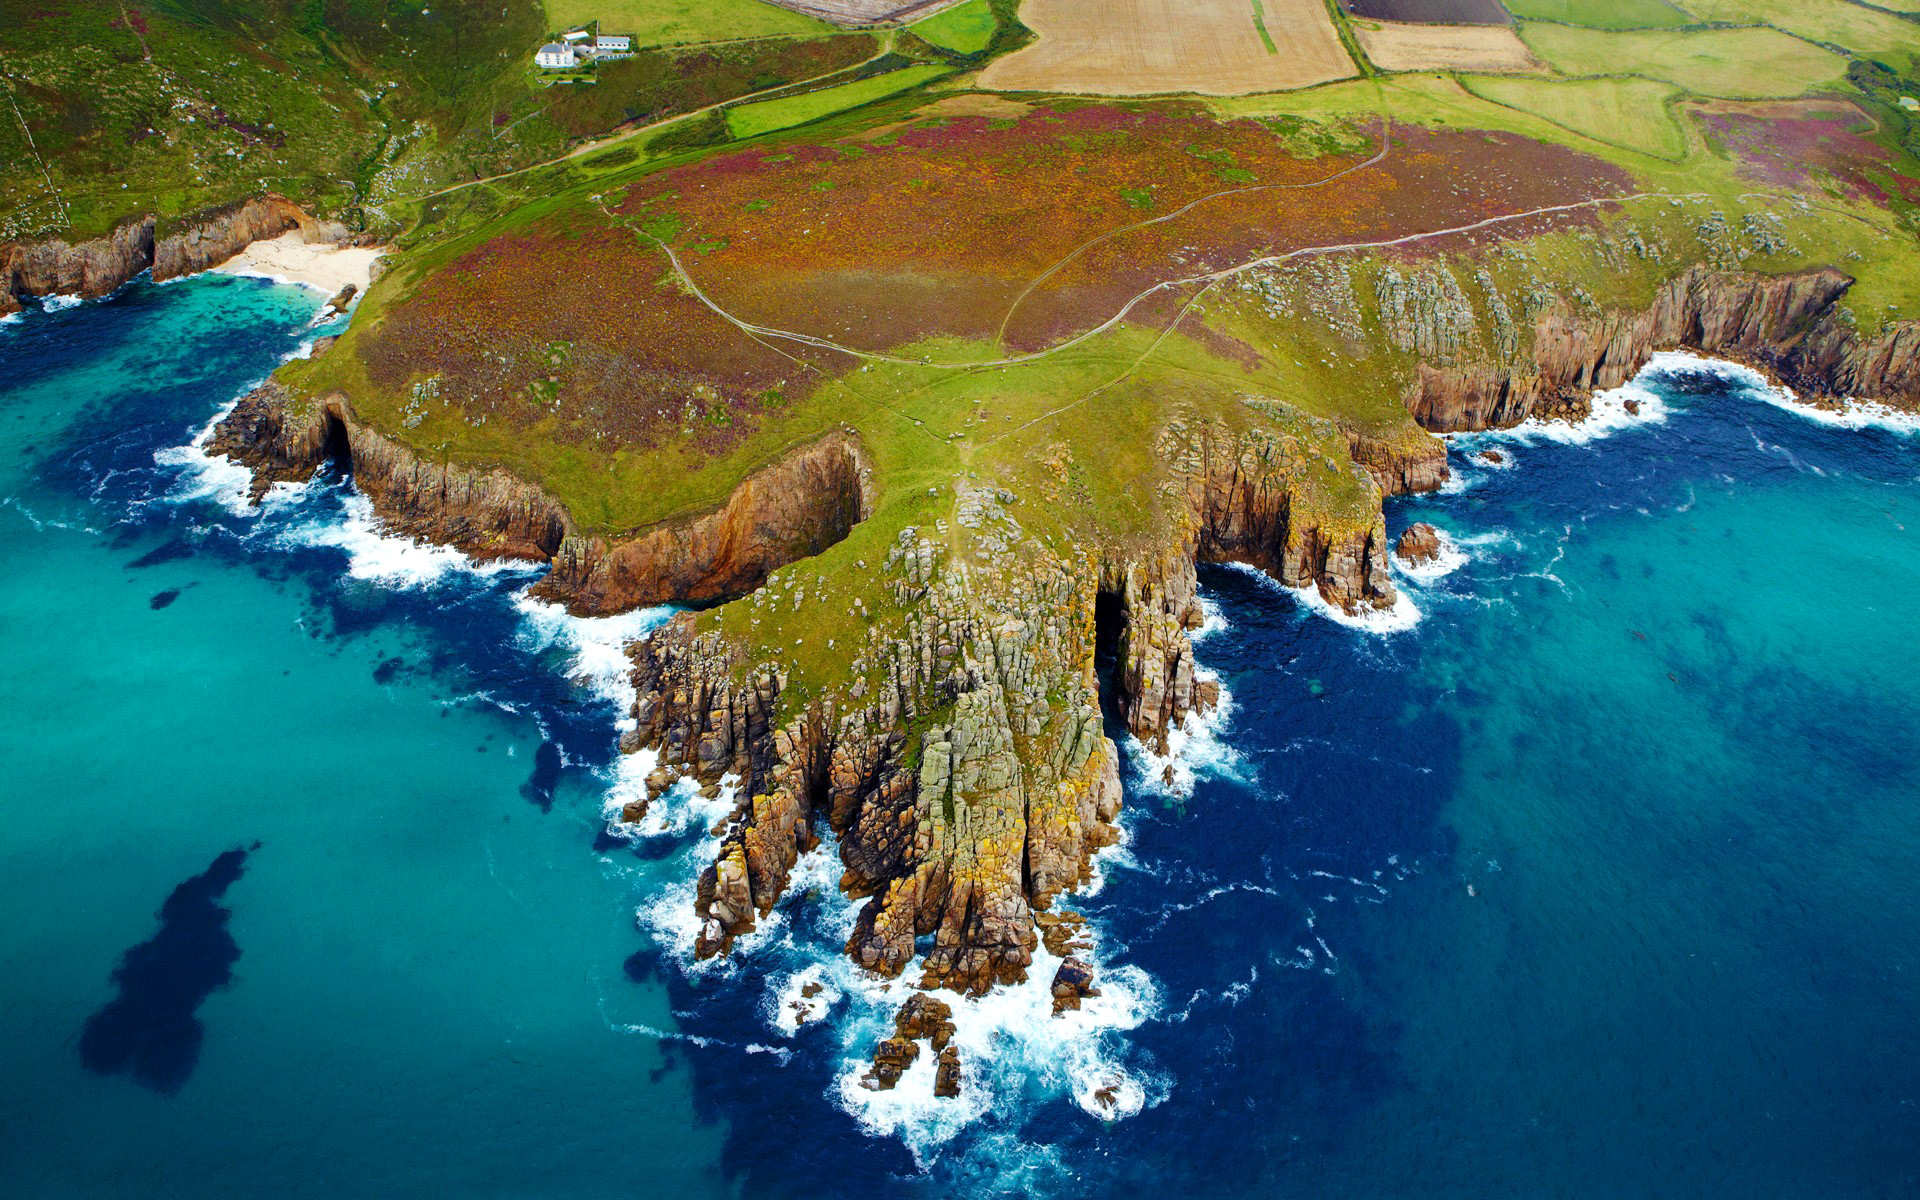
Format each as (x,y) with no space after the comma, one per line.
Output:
(292,258)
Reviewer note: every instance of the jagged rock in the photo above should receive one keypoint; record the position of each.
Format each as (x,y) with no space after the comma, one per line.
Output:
(924,1018)
(1419,544)
(946,1079)
(891,1058)
(1072,983)
(338,304)
(1493,456)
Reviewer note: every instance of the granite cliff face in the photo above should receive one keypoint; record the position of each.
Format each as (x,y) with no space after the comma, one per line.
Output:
(1789,326)
(791,510)
(94,268)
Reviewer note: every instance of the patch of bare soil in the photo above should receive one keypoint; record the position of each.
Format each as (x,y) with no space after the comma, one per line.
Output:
(1394,46)
(1148,47)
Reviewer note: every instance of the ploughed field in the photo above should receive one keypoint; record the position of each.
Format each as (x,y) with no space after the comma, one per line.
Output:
(1448,12)
(1015,234)
(1148,47)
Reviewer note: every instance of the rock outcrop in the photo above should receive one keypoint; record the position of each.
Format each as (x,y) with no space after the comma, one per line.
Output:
(94,268)
(922,1018)
(1419,544)
(1788,325)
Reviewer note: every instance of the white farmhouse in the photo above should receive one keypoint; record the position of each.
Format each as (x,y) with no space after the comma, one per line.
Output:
(605,44)
(553,56)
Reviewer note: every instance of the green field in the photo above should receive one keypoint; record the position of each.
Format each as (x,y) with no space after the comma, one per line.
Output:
(749,120)
(1733,64)
(677,22)
(964,29)
(1631,113)
(1859,29)
(1603,14)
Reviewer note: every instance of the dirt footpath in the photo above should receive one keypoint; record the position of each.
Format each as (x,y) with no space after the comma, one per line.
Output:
(1140,47)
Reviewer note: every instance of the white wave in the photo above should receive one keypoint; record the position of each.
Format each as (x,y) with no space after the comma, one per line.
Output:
(600,649)
(57,303)
(1195,750)
(390,559)
(1450,559)
(1012,1051)
(1853,414)
(1403,615)
(801,997)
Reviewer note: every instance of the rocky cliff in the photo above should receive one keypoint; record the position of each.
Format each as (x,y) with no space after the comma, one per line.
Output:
(791,510)
(1790,326)
(956,755)
(794,508)
(94,268)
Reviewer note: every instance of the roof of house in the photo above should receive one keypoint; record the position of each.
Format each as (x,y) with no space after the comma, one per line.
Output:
(553,48)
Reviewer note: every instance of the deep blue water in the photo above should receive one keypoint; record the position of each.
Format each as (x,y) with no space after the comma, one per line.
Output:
(1599,880)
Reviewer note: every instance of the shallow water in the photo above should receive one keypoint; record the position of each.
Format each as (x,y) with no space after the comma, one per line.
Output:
(1599,879)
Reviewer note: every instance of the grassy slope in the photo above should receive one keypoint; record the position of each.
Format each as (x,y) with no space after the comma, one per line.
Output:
(1602,14)
(1635,114)
(1728,63)
(751,120)
(965,28)
(680,22)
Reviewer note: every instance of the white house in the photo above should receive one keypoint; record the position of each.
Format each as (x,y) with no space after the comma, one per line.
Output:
(612,44)
(554,56)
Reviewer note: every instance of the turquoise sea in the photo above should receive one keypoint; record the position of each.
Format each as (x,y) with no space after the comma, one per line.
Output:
(1594,872)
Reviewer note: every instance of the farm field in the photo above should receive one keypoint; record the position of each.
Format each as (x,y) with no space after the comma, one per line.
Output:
(680,22)
(1731,64)
(1857,28)
(749,120)
(1451,12)
(1144,47)
(964,29)
(1604,14)
(1398,47)
(1631,113)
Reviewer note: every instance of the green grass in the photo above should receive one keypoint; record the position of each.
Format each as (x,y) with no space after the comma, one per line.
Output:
(1859,29)
(1633,113)
(964,29)
(678,22)
(1602,14)
(1733,64)
(1260,23)
(749,120)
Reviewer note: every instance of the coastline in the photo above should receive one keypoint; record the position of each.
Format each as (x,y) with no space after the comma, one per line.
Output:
(290,258)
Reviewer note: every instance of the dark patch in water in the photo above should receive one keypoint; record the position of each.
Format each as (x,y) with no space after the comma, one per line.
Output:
(149,1030)
(171,550)
(538,789)
(161,600)
(384,673)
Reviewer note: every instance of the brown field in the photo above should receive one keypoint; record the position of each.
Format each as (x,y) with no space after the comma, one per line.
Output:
(1144,47)
(866,12)
(1449,12)
(1397,47)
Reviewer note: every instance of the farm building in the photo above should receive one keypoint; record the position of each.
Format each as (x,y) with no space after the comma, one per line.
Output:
(556,56)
